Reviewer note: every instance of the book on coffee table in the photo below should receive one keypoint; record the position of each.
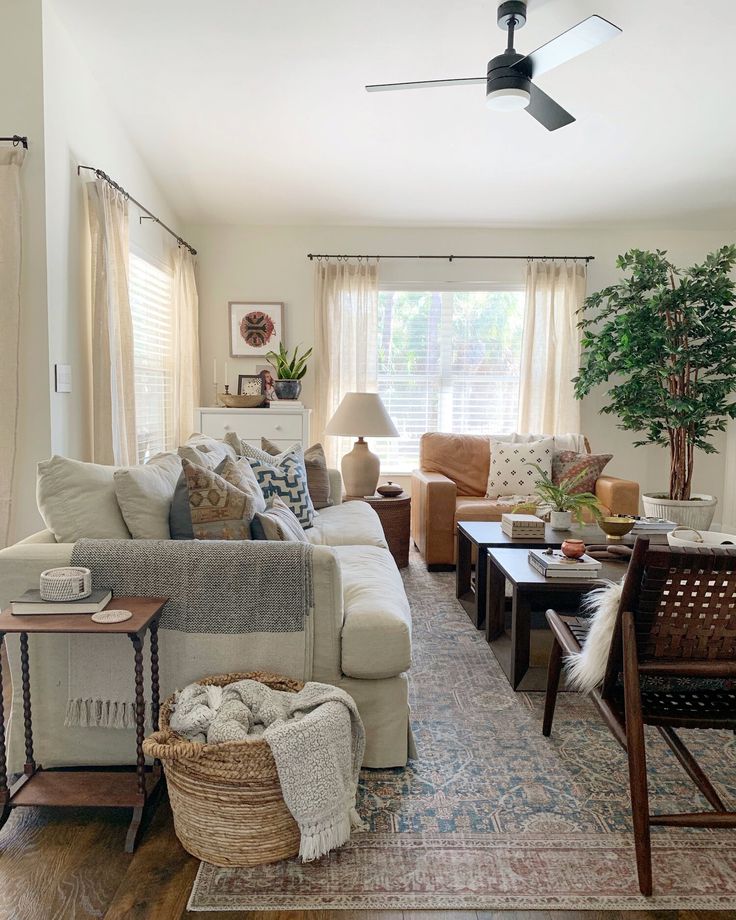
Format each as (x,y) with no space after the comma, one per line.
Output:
(557,565)
(32,604)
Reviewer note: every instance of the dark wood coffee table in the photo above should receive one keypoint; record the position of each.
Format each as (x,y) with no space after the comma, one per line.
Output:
(484,535)
(521,642)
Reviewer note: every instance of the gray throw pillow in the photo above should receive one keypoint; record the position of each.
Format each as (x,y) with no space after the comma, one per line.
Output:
(278,522)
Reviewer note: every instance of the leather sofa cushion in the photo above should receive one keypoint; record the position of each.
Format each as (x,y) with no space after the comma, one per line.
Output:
(464,458)
(376,632)
(481,509)
(352,523)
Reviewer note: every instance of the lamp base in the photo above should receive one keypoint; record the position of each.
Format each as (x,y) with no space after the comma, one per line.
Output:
(360,470)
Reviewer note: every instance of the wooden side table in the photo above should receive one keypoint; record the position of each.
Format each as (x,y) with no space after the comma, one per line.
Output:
(395,515)
(85,786)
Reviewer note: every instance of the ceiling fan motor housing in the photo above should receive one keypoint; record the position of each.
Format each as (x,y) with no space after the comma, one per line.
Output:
(511,9)
(502,74)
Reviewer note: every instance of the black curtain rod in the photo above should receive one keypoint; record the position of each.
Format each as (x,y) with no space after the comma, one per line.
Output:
(311,256)
(102,175)
(16,139)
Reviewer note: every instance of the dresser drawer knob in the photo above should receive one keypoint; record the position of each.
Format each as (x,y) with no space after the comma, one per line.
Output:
(227,428)
(278,427)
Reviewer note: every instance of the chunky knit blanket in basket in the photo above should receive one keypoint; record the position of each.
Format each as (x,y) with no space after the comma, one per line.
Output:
(316,737)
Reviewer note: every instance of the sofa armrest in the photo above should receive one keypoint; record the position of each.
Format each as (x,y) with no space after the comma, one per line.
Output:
(21,566)
(335,486)
(433,501)
(620,496)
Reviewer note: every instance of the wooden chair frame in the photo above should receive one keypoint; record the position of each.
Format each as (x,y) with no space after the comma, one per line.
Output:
(676,618)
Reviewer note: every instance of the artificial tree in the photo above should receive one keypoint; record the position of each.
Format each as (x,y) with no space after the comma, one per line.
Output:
(666,340)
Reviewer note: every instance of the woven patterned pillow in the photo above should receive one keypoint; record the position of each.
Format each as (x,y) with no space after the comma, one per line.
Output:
(284,476)
(278,522)
(318,479)
(566,463)
(220,510)
(511,471)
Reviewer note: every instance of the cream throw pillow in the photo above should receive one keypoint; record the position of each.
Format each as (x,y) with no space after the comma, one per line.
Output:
(78,500)
(145,493)
(510,471)
(278,522)
(204,451)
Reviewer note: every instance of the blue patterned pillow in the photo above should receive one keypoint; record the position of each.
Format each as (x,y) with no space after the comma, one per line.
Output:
(285,476)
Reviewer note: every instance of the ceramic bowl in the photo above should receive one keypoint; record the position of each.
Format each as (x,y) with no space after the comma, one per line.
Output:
(615,527)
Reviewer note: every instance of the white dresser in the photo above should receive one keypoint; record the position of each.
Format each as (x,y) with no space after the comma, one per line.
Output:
(281,424)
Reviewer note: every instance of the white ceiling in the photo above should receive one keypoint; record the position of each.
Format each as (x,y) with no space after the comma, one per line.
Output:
(253,111)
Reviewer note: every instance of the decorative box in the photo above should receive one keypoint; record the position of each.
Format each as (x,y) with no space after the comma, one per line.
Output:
(527,526)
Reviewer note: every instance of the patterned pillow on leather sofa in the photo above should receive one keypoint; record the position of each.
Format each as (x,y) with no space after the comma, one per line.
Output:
(566,463)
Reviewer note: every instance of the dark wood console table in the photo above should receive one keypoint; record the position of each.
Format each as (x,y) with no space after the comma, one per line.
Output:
(86,786)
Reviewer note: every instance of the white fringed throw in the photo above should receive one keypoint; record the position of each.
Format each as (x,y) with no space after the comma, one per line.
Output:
(317,740)
(586,669)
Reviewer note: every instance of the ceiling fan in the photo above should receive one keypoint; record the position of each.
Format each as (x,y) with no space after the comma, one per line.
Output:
(509,77)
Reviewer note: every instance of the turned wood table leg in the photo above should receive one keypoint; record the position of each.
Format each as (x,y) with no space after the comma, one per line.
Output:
(30,764)
(140,716)
(154,676)
(4,792)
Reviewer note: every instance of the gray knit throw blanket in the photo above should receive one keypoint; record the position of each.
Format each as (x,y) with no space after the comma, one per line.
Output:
(317,740)
(254,595)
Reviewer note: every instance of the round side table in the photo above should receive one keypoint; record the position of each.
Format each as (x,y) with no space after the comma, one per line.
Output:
(395,515)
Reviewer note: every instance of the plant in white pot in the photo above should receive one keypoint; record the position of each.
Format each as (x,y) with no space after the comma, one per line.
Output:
(561,500)
(666,338)
(289,371)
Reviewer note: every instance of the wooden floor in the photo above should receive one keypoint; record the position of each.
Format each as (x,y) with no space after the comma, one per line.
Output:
(70,865)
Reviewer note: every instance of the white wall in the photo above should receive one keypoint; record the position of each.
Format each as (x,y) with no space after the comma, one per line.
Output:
(269,263)
(81,128)
(21,112)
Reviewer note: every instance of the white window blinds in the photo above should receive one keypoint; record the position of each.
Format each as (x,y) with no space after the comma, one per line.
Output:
(447,361)
(153,356)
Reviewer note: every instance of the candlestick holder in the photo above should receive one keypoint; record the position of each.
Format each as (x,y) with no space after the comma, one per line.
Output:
(227,390)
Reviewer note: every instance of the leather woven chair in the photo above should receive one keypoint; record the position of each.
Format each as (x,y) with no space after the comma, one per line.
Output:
(676,619)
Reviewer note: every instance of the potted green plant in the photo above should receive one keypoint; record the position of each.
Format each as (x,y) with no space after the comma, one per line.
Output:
(562,502)
(665,339)
(289,371)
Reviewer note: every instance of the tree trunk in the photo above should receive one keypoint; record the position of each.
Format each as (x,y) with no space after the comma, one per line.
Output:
(681,465)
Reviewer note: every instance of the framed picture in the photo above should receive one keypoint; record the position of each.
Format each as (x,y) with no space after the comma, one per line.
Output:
(250,385)
(255,328)
(267,375)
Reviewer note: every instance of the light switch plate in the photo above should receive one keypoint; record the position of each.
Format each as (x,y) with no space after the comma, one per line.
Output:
(63,378)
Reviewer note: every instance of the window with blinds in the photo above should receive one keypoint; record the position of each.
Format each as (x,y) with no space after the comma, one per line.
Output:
(447,361)
(151,308)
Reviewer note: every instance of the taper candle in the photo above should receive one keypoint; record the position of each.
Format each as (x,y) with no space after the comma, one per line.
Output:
(214,371)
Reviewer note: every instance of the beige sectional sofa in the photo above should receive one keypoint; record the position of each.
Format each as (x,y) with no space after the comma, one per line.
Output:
(361,639)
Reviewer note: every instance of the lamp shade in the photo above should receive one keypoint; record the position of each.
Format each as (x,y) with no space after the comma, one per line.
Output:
(362,415)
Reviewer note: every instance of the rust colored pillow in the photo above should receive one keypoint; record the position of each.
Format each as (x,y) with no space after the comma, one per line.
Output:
(567,463)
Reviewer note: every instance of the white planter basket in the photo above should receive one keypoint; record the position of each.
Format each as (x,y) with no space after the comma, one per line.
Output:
(697,514)
(560,520)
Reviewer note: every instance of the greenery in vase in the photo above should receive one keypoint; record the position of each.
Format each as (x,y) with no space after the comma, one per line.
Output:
(667,340)
(560,497)
(288,367)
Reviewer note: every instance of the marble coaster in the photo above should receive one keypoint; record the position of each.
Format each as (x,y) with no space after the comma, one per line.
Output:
(112,616)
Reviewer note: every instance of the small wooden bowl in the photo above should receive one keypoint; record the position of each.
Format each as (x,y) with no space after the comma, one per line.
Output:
(232,401)
(616,527)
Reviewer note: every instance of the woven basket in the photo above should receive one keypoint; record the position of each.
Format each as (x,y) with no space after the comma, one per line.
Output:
(226,798)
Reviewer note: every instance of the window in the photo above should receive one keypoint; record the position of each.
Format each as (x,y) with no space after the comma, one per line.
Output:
(153,356)
(447,361)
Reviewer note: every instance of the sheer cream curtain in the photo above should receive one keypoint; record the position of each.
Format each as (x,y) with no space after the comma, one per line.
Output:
(186,343)
(346,335)
(113,381)
(550,351)
(11,161)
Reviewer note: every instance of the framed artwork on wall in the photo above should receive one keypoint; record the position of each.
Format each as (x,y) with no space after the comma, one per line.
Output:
(250,385)
(255,328)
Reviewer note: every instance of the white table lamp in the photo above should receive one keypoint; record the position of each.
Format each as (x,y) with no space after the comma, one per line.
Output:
(361,415)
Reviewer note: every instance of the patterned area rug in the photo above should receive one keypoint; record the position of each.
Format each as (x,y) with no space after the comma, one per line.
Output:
(492,815)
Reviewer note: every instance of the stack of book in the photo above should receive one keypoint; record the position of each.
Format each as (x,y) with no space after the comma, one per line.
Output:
(517,526)
(31,603)
(647,526)
(555,565)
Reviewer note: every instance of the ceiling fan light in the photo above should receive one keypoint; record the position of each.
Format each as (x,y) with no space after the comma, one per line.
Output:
(509,99)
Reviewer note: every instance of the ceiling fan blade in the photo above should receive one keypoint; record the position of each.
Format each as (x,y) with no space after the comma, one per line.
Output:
(588,34)
(424,84)
(546,110)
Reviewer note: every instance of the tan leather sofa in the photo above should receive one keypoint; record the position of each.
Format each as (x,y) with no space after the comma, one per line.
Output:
(450,487)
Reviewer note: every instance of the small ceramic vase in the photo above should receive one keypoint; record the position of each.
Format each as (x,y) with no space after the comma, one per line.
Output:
(573,549)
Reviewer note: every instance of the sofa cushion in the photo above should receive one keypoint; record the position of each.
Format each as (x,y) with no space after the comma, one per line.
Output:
(204,451)
(472,508)
(220,510)
(277,522)
(78,500)
(352,523)
(376,632)
(318,477)
(513,466)
(464,458)
(145,493)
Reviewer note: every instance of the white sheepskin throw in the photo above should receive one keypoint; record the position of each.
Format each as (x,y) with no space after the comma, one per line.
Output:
(586,669)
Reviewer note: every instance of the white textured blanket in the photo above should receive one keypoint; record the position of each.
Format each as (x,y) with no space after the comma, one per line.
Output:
(317,740)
